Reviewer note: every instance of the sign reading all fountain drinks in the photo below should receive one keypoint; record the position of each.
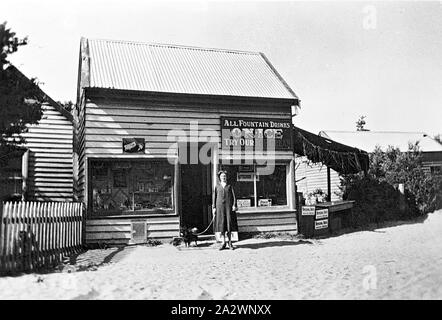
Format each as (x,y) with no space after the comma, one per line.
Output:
(255,134)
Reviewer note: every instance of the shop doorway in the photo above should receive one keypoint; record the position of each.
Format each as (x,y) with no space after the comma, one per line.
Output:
(196,194)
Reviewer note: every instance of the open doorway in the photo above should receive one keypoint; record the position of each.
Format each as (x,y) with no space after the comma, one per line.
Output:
(196,192)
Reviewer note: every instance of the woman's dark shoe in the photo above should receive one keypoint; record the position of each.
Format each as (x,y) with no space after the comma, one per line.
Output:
(231,247)
(222,247)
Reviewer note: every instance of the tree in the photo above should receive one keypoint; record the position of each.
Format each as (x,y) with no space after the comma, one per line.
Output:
(406,168)
(360,124)
(67,105)
(377,194)
(438,138)
(20,97)
(9,44)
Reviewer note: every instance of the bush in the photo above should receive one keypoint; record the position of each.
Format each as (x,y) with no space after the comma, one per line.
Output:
(377,201)
(376,193)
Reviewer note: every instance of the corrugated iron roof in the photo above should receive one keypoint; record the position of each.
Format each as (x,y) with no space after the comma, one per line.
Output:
(138,66)
(368,140)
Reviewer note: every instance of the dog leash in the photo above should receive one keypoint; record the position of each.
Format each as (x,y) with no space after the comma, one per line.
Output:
(198,234)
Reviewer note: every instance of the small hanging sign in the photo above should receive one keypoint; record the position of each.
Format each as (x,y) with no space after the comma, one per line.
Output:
(321,224)
(133,145)
(308,210)
(321,214)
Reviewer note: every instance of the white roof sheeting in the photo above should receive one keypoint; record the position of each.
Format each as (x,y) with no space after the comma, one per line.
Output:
(126,65)
(368,140)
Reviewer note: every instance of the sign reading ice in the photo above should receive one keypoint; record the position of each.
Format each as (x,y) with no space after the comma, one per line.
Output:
(255,134)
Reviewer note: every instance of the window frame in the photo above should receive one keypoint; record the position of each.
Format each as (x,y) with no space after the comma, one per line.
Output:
(14,177)
(97,214)
(277,208)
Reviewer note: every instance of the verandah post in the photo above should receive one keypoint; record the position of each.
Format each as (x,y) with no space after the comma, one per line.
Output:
(328,184)
(2,236)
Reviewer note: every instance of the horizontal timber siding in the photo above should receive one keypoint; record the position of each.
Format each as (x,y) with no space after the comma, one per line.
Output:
(316,178)
(50,170)
(119,230)
(107,123)
(267,222)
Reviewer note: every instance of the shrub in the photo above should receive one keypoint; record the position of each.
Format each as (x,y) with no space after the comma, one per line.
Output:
(376,193)
(377,201)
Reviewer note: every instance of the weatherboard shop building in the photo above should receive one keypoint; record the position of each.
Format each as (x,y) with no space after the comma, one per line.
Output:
(155,123)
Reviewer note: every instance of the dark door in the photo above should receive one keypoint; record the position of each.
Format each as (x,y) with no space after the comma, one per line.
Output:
(196,196)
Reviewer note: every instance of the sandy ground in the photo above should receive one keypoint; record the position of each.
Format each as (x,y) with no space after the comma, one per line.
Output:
(400,262)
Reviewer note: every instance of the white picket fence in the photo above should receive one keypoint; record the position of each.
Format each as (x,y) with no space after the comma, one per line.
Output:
(35,235)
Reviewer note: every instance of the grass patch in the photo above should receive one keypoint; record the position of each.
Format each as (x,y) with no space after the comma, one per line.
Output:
(153,242)
(272,235)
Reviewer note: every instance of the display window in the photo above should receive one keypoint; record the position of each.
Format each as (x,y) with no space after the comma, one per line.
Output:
(131,186)
(255,190)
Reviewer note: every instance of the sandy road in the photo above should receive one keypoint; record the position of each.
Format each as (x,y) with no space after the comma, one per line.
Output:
(401,262)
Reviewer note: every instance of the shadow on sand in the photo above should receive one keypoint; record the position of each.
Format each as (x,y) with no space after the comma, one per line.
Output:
(270,244)
(375,227)
(200,246)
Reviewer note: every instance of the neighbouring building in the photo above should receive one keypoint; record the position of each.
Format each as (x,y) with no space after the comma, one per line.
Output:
(155,123)
(42,170)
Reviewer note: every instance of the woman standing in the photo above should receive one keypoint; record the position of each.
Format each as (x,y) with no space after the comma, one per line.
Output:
(224,207)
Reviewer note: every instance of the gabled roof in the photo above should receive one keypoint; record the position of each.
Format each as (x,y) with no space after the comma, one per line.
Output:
(126,65)
(368,140)
(46,98)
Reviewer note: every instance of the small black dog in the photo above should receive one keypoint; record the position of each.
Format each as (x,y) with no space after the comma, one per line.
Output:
(189,235)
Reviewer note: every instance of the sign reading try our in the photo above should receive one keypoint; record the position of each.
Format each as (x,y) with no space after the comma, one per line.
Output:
(255,134)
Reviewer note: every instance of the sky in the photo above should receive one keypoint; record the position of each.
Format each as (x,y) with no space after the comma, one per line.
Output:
(381,60)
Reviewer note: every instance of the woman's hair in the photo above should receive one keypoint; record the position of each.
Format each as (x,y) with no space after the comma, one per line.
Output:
(221,172)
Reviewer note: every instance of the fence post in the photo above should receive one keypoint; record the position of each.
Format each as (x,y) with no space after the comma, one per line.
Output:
(6,237)
(58,232)
(82,213)
(70,239)
(77,227)
(13,231)
(21,237)
(63,215)
(41,237)
(46,233)
(36,254)
(33,253)
(52,234)
(26,233)
(2,236)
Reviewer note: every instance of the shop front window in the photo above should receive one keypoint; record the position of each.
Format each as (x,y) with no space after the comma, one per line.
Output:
(254,190)
(132,187)
(272,188)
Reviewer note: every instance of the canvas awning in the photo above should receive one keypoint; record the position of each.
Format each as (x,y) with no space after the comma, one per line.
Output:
(337,156)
